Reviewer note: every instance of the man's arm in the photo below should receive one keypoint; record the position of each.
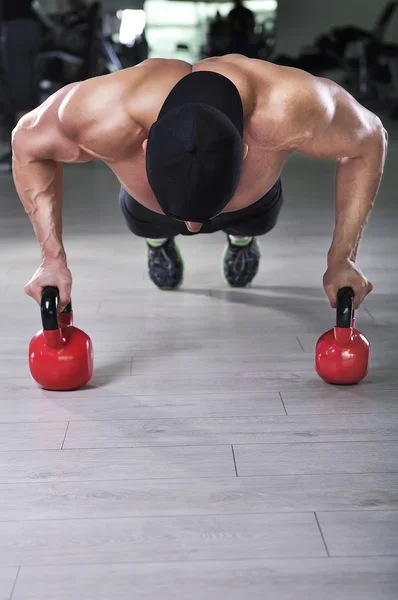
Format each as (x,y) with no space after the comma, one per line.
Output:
(77,124)
(344,130)
(38,182)
(39,149)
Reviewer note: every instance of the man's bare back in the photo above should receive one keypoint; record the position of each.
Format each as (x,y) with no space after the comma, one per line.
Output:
(109,118)
(285,110)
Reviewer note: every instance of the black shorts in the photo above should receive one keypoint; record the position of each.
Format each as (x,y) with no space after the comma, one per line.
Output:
(257,219)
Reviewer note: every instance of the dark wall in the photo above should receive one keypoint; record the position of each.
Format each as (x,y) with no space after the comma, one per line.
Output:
(301,21)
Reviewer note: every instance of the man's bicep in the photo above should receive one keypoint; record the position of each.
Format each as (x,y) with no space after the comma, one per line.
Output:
(33,146)
(45,141)
(39,135)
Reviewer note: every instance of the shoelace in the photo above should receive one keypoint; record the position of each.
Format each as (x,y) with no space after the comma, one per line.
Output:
(241,255)
(160,260)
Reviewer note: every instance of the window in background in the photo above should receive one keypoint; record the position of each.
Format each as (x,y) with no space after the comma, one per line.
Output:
(178,29)
(132,25)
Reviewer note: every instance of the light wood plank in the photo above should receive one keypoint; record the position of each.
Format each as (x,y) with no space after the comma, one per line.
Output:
(138,463)
(295,458)
(265,320)
(383,308)
(233,430)
(173,497)
(160,539)
(32,436)
(180,340)
(223,302)
(360,533)
(292,579)
(243,383)
(176,344)
(199,363)
(331,400)
(67,408)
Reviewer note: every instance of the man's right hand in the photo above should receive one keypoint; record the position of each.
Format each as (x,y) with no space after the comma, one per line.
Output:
(51,273)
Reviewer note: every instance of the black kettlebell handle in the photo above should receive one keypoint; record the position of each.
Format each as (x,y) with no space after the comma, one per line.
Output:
(49,308)
(345,308)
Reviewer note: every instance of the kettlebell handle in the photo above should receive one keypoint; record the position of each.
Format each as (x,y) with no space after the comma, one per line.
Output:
(345,308)
(49,308)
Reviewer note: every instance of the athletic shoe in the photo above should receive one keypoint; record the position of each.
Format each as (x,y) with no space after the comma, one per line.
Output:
(165,265)
(241,261)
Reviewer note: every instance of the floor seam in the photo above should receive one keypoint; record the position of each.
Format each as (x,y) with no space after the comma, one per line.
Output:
(268,416)
(203,515)
(66,432)
(393,411)
(300,344)
(322,536)
(283,404)
(15,583)
(220,445)
(213,560)
(199,477)
(233,456)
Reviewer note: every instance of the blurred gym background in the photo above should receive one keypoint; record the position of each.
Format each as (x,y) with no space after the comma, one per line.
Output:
(354,42)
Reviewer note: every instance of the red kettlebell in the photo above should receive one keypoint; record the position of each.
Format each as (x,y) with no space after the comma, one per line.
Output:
(342,354)
(60,355)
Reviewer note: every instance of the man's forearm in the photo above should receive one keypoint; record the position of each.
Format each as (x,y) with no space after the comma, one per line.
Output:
(357,183)
(39,186)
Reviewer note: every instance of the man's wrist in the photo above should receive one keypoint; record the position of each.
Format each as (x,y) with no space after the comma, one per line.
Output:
(337,257)
(54,257)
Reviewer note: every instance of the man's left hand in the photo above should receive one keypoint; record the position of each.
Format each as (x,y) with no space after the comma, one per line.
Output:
(345,273)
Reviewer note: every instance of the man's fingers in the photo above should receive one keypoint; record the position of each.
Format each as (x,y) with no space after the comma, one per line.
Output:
(62,304)
(332,300)
(30,291)
(52,274)
(361,295)
(333,281)
(332,296)
(359,298)
(33,292)
(64,296)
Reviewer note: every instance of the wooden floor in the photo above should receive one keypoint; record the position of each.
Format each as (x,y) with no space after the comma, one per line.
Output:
(206,459)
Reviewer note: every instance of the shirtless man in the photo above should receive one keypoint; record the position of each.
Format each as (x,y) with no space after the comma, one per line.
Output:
(200,149)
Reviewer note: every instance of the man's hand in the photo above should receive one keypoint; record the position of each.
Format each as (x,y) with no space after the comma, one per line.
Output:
(346,274)
(51,273)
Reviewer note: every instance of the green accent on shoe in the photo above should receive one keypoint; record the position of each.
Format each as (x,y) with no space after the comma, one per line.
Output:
(241,243)
(153,244)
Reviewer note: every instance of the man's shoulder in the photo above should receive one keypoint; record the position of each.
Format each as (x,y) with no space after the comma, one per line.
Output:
(100,95)
(106,114)
(293,102)
(164,63)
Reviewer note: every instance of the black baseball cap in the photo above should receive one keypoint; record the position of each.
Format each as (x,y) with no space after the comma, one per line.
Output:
(195,148)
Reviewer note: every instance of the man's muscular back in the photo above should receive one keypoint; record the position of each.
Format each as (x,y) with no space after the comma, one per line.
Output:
(109,118)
